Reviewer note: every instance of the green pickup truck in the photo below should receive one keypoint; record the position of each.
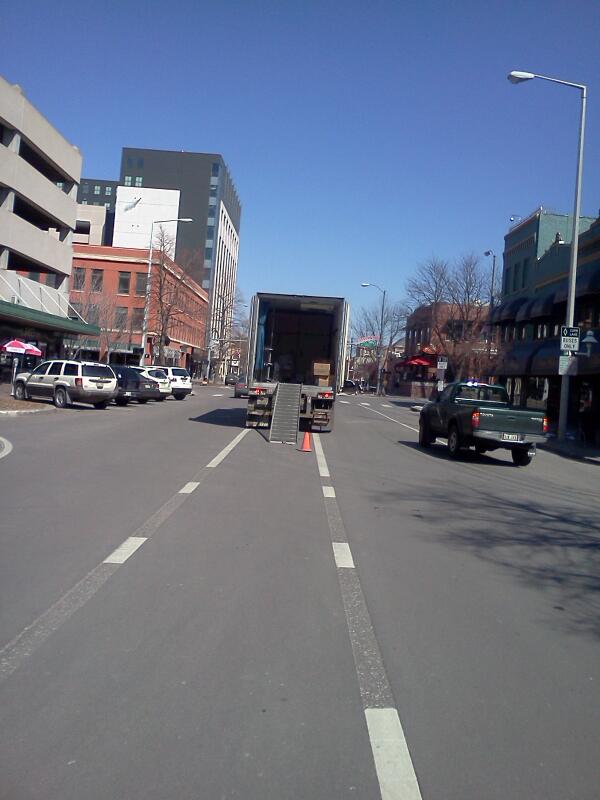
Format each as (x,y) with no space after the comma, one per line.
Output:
(469,413)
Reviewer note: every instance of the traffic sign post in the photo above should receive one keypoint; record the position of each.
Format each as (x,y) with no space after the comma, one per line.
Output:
(569,339)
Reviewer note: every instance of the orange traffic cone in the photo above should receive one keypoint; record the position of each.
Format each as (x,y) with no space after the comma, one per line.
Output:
(306,448)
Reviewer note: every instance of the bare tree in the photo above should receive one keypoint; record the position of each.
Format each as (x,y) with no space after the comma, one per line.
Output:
(101,309)
(456,297)
(226,317)
(367,324)
(167,293)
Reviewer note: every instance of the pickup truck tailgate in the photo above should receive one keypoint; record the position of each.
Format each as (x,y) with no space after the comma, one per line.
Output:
(508,420)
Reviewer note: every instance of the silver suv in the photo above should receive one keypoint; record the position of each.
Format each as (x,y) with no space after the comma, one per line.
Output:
(66,382)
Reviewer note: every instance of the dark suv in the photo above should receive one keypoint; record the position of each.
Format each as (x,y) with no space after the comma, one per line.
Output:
(132,385)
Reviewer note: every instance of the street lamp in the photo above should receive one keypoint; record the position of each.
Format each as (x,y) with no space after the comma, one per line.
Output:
(491,328)
(148,280)
(380,346)
(519,77)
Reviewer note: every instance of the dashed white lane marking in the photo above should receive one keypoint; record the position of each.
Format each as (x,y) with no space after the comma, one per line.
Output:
(217,395)
(345,402)
(391,419)
(125,550)
(189,487)
(328,491)
(321,463)
(386,405)
(6,447)
(343,555)
(226,450)
(364,404)
(393,764)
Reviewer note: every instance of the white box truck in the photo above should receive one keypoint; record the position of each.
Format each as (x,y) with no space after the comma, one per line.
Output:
(296,361)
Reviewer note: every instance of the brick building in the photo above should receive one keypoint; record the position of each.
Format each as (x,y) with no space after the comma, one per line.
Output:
(108,289)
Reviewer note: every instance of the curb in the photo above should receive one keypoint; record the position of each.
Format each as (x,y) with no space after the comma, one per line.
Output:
(14,413)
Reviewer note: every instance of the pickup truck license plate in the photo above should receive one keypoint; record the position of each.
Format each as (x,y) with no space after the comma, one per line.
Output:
(510,437)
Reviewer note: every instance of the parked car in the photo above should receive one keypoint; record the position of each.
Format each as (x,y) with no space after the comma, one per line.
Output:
(132,385)
(241,387)
(350,387)
(469,413)
(181,381)
(231,379)
(160,376)
(65,382)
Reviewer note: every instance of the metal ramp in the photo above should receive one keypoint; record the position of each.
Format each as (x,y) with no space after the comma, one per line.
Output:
(286,412)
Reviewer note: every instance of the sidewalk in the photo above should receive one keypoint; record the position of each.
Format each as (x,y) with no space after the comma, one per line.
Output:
(572,449)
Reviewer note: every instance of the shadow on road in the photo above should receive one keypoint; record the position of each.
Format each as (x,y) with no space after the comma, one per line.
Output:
(466,457)
(548,545)
(227,417)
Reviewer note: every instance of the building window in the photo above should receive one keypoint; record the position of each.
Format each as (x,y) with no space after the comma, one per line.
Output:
(97,189)
(137,319)
(211,214)
(97,280)
(129,161)
(78,279)
(208,253)
(215,169)
(140,283)
(213,191)
(121,317)
(108,190)
(92,315)
(84,203)
(124,281)
(59,184)
(106,205)
(210,233)
(139,181)
(127,180)
(52,279)
(85,188)
(140,163)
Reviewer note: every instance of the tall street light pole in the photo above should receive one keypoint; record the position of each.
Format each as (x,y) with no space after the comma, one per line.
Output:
(380,345)
(519,77)
(492,288)
(148,280)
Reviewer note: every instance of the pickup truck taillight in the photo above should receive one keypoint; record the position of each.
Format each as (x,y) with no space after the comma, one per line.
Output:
(475,419)
(325,395)
(258,390)
(79,382)
(545,426)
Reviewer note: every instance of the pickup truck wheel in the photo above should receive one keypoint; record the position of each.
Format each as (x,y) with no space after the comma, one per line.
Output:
(520,456)
(424,435)
(454,444)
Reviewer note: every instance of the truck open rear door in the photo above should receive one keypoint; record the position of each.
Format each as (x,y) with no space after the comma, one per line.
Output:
(340,373)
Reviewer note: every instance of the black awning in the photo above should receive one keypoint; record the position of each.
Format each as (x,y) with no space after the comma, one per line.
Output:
(545,361)
(524,312)
(496,313)
(516,360)
(588,282)
(509,310)
(543,307)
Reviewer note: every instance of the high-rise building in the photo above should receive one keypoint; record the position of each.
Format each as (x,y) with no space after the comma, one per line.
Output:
(208,247)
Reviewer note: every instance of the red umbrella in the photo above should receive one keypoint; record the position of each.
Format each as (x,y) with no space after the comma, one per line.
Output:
(20,348)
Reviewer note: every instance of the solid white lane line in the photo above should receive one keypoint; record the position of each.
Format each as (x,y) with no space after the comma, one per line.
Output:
(189,487)
(226,450)
(125,550)
(391,419)
(328,491)
(321,463)
(6,447)
(343,555)
(393,764)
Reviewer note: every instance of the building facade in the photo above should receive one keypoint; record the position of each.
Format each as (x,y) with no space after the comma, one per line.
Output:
(537,254)
(108,286)
(39,175)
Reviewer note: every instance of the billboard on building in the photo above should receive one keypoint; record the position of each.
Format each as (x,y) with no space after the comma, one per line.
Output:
(136,208)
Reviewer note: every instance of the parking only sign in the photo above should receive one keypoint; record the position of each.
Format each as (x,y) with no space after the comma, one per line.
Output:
(569,338)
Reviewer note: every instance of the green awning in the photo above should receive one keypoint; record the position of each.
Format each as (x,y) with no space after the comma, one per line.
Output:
(41,319)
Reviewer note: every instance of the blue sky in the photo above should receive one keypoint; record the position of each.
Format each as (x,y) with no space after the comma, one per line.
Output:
(363,137)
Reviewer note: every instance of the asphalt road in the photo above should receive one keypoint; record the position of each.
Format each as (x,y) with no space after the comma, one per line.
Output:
(290,626)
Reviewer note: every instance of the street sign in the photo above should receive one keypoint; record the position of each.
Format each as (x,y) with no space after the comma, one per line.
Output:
(567,364)
(569,339)
(442,362)
(370,342)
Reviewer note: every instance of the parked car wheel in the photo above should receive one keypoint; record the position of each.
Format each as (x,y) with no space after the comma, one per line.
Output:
(142,401)
(425,439)
(454,443)
(179,396)
(520,456)
(160,399)
(121,401)
(60,398)
(20,391)
(101,405)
